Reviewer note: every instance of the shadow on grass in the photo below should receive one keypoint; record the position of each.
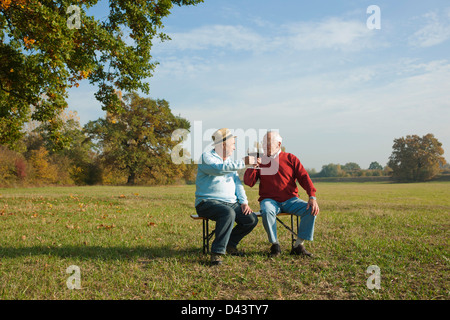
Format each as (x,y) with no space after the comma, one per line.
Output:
(99,252)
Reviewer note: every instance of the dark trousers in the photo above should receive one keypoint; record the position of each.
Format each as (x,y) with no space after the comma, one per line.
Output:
(225,215)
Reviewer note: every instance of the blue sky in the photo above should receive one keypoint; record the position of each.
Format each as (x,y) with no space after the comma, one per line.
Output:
(336,90)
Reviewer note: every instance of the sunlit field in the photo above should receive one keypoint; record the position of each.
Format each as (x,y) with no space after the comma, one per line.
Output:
(140,243)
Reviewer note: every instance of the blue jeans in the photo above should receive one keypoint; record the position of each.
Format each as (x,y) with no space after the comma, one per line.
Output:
(270,208)
(225,215)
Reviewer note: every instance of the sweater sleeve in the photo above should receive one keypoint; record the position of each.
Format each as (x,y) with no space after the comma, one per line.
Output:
(303,178)
(212,166)
(240,191)
(251,176)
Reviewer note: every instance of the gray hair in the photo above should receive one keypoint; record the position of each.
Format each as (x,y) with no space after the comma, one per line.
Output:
(276,136)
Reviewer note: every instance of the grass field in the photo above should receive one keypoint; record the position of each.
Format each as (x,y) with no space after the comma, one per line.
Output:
(140,243)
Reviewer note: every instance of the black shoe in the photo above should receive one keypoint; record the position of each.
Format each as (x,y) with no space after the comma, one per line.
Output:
(275,250)
(301,251)
(233,251)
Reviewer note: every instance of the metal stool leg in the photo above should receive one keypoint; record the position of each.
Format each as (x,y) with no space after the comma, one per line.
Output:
(291,229)
(293,238)
(210,235)
(205,236)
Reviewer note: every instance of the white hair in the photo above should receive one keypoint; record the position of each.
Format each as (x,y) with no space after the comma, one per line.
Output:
(276,136)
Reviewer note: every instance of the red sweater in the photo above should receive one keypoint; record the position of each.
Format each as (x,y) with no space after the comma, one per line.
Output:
(282,185)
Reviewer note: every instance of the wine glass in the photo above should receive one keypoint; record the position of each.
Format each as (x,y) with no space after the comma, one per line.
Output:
(255,152)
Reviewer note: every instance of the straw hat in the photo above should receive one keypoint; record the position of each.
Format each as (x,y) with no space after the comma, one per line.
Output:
(221,135)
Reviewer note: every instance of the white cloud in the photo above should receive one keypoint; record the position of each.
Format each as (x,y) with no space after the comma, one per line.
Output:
(333,33)
(434,32)
(215,36)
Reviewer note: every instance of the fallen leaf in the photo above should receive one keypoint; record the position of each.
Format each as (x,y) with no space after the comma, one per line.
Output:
(107,227)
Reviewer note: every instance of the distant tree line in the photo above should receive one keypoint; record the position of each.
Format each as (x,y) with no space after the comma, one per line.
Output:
(351,169)
(133,146)
(413,159)
(126,147)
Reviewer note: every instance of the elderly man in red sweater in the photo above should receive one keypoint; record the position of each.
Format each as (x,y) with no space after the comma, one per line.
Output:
(278,192)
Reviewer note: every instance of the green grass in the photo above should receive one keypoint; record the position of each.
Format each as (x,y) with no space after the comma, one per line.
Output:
(140,243)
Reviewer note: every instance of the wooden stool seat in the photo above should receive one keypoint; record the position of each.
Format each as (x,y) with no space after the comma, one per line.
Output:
(207,235)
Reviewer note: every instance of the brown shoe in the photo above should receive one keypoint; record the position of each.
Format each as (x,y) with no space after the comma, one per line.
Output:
(216,259)
(275,250)
(301,251)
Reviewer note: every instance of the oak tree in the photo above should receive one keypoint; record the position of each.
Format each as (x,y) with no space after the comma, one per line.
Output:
(416,158)
(42,56)
(140,138)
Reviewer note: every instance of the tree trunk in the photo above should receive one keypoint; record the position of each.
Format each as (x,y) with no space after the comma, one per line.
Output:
(131,178)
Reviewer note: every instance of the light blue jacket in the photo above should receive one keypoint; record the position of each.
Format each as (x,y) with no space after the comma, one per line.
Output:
(219,180)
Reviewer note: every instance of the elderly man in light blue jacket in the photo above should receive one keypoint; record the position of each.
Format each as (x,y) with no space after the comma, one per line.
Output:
(220,196)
